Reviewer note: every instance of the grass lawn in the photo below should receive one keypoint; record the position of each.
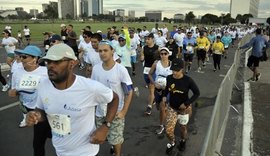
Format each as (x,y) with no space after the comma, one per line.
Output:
(37,28)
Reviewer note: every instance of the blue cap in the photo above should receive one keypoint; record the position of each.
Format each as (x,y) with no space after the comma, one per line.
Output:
(30,50)
(55,37)
(107,42)
(122,36)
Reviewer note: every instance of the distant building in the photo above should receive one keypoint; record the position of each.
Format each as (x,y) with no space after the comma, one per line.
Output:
(66,8)
(244,7)
(85,8)
(179,17)
(5,13)
(33,12)
(119,12)
(153,15)
(258,21)
(131,13)
(19,9)
(53,4)
(97,7)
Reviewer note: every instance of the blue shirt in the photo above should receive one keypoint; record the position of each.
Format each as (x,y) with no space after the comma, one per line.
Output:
(189,41)
(257,43)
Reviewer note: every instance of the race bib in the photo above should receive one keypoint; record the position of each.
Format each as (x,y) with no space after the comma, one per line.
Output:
(29,82)
(201,47)
(63,37)
(190,49)
(217,51)
(183,119)
(60,124)
(226,46)
(47,47)
(146,70)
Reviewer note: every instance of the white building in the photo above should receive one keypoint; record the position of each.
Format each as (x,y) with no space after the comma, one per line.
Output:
(244,7)
(131,13)
(179,17)
(5,13)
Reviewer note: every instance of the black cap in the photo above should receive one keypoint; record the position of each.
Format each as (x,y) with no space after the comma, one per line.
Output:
(177,64)
(151,35)
(55,37)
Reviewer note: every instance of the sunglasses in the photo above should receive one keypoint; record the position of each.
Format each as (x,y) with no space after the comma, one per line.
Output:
(164,54)
(121,40)
(84,36)
(56,62)
(24,56)
(53,41)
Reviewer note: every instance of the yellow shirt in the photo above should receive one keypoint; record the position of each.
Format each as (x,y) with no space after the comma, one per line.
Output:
(218,48)
(203,43)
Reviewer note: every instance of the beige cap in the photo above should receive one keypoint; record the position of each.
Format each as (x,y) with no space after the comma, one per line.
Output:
(58,52)
(62,25)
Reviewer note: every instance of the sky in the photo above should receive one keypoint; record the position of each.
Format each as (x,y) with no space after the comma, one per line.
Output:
(199,7)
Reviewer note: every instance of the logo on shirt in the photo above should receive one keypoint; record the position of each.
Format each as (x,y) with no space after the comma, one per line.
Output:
(174,90)
(66,107)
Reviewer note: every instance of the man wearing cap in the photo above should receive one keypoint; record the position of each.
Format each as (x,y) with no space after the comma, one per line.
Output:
(189,45)
(55,39)
(84,47)
(63,33)
(179,109)
(115,76)
(24,84)
(68,102)
(203,45)
(148,56)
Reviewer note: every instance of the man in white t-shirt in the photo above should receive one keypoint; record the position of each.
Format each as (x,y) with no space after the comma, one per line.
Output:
(134,44)
(26,31)
(165,31)
(179,37)
(84,47)
(68,102)
(115,76)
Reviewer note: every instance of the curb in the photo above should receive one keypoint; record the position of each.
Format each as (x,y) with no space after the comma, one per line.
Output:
(247,145)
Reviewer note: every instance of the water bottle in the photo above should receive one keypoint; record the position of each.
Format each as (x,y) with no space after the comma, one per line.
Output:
(136,91)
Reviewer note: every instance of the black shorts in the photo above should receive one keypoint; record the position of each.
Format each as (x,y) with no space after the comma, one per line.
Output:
(253,61)
(27,37)
(188,57)
(201,54)
(76,50)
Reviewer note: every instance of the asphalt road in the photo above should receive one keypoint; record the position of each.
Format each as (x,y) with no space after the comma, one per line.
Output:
(140,137)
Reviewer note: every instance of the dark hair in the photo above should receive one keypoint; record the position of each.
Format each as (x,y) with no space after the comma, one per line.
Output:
(70,25)
(160,32)
(89,27)
(116,33)
(97,36)
(7,32)
(88,33)
(258,31)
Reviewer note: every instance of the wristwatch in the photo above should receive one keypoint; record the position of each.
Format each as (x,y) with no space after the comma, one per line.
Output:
(106,123)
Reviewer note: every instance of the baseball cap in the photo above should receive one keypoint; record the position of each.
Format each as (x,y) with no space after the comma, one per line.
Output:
(62,25)
(58,52)
(107,42)
(29,50)
(55,37)
(177,64)
(99,31)
(201,33)
(151,35)
(122,36)
(166,49)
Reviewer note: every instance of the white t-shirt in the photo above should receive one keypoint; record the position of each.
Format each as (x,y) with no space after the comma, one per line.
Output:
(161,73)
(115,43)
(164,31)
(15,66)
(71,114)
(134,42)
(144,33)
(124,53)
(160,41)
(7,41)
(114,79)
(92,57)
(26,31)
(26,84)
(179,38)
(86,48)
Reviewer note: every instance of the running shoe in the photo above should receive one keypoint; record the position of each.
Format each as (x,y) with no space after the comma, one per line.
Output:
(258,76)
(112,150)
(199,69)
(22,124)
(5,88)
(160,130)
(214,70)
(251,79)
(148,110)
(170,147)
(182,145)
(133,73)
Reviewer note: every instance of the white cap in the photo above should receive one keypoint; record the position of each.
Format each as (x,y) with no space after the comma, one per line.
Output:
(62,25)
(99,31)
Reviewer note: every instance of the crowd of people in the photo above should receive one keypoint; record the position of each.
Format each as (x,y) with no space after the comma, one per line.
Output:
(47,86)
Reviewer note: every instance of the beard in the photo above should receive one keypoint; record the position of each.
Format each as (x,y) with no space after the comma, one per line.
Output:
(58,77)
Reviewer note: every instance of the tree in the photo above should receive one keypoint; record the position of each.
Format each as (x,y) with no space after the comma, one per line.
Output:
(227,19)
(268,20)
(210,19)
(68,16)
(190,17)
(51,12)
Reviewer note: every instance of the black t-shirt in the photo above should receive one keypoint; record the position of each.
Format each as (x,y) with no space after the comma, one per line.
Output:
(178,91)
(173,47)
(150,55)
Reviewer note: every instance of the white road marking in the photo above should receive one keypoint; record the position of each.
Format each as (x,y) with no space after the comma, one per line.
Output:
(9,106)
(247,122)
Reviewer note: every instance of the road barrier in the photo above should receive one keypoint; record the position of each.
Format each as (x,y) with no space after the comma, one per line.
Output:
(213,140)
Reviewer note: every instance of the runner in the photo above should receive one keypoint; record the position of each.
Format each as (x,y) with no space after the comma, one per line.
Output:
(9,43)
(24,84)
(63,33)
(67,101)
(84,47)
(27,33)
(134,43)
(5,85)
(143,34)
(161,69)
(179,109)
(72,39)
(218,51)
(202,48)
(173,47)
(188,51)
(116,77)
(226,40)
(257,43)
(148,57)
(160,40)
